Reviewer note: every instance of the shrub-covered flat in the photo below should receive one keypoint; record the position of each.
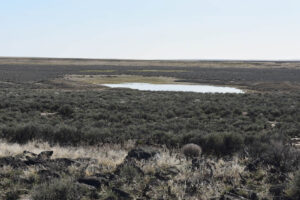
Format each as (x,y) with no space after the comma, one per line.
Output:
(116,115)
(129,144)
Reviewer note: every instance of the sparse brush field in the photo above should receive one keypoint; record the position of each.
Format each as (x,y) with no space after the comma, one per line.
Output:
(63,136)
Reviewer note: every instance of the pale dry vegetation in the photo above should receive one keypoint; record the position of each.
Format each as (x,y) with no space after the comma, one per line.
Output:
(107,155)
(167,174)
(115,79)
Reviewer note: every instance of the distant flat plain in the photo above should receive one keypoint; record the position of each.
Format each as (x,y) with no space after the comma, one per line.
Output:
(249,75)
(148,63)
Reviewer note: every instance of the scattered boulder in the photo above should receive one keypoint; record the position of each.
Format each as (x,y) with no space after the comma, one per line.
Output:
(277,190)
(45,155)
(253,196)
(149,190)
(12,161)
(229,197)
(105,178)
(129,171)
(63,162)
(166,174)
(87,160)
(141,154)
(252,166)
(92,181)
(32,161)
(47,174)
(108,176)
(122,195)
(197,163)
(26,155)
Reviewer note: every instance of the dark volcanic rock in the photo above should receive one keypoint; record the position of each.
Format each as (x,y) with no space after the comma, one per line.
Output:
(277,190)
(253,196)
(197,163)
(63,162)
(141,153)
(105,178)
(252,166)
(32,161)
(45,155)
(165,174)
(130,169)
(229,197)
(12,161)
(108,176)
(47,174)
(122,195)
(92,181)
(86,160)
(26,155)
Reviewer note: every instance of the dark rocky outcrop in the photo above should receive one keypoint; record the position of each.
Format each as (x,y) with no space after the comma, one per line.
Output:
(105,179)
(45,155)
(27,158)
(92,181)
(128,169)
(122,195)
(26,155)
(47,174)
(141,153)
(63,162)
(13,162)
(166,174)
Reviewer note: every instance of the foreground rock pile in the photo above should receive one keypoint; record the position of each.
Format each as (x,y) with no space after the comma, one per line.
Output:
(144,174)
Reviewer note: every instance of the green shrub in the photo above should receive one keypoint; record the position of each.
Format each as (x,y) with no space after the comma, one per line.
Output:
(222,143)
(59,189)
(130,173)
(21,134)
(12,195)
(280,155)
(66,110)
(294,191)
(66,135)
(191,150)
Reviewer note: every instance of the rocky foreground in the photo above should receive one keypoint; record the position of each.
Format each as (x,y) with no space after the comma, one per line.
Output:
(145,173)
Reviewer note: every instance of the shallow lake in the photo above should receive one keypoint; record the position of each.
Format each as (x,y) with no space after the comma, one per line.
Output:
(176,87)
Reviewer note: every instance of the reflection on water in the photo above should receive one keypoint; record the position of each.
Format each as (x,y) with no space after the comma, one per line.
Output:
(176,87)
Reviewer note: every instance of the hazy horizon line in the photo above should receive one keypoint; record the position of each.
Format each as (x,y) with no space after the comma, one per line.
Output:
(137,59)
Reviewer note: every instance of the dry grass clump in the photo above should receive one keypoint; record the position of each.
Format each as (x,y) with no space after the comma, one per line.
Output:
(294,191)
(107,155)
(191,150)
(60,189)
(103,79)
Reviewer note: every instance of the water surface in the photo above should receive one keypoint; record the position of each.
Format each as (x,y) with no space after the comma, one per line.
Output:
(176,87)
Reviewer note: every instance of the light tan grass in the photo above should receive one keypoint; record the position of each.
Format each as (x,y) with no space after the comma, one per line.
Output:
(108,155)
(103,79)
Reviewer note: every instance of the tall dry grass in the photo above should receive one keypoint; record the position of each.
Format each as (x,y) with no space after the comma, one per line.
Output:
(108,154)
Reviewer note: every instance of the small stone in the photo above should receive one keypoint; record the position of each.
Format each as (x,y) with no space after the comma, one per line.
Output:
(47,174)
(92,181)
(166,174)
(44,155)
(141,153)
(122,194)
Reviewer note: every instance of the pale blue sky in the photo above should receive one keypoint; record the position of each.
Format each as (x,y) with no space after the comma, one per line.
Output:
(151,29)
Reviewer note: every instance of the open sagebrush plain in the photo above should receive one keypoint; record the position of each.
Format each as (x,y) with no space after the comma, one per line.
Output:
(65,136)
